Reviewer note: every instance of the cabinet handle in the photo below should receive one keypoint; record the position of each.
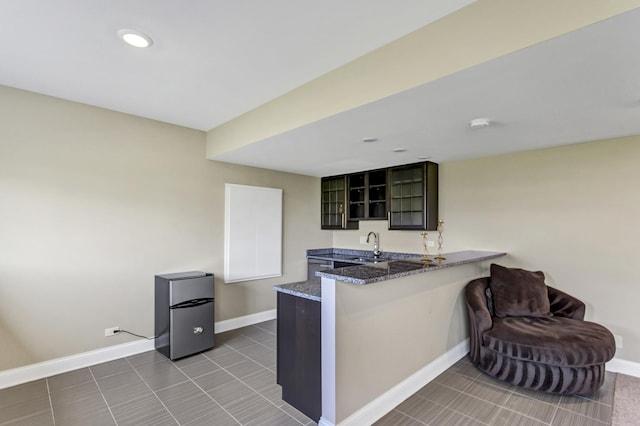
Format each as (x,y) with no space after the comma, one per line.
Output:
(344,221)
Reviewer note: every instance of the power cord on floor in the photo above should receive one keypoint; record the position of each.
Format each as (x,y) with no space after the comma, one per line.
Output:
(134,334)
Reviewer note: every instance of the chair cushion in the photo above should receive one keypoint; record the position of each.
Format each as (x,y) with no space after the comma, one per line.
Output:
(558,341)
(517,292)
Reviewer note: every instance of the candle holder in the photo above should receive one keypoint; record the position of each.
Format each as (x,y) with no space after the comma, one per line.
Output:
(425,258)
(439,257)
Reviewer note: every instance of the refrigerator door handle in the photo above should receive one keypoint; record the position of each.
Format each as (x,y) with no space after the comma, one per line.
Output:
(191,303)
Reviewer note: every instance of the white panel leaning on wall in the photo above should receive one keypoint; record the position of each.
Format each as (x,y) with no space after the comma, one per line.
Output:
(252,233)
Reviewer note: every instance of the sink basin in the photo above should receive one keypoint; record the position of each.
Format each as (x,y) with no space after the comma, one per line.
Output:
(368,259)
(383,258)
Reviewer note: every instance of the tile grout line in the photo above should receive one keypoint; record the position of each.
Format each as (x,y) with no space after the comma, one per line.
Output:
(247,385)
(511,393)
(462,392)
(269,401)
(257,341)
(250,359)
(443,407)
(514,392)
(413,418)
(124,402)
(555,412)
(203,391)
(261,365)
(502,407)
(102,395)
(448,407)
(226,371)
(53,416)
(153,392)
(585,415)
(527,416)
(555,405)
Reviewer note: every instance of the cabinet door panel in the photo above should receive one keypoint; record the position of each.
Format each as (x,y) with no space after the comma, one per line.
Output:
(299,354)
(414,196)
(367,193)
(406,195)
(333,202)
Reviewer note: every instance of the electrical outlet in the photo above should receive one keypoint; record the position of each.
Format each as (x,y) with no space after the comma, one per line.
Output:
(431,243)
(363,240)
(111,331)
(618,339)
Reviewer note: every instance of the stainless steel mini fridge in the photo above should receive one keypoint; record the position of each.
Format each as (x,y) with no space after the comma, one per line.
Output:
(184,313)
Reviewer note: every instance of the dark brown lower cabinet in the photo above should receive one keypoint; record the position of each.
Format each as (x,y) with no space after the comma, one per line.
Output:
(298,354)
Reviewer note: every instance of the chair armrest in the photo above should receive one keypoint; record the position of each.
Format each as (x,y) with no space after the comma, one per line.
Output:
(564,305)
(479,316)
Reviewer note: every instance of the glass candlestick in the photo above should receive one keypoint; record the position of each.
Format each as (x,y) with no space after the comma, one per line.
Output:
(425,258)
(439,257)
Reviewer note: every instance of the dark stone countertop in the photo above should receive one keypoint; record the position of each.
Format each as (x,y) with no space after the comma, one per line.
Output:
(362,257)
(372,273)
(307,289)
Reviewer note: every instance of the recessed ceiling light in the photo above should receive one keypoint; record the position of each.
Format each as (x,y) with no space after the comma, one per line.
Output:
(399,149)
(424,157)
(369,139)
(135,38)
(479,123)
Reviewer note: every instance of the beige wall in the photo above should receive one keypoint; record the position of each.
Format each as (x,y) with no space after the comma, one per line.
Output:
(94,203)
(571,212)
(387,331)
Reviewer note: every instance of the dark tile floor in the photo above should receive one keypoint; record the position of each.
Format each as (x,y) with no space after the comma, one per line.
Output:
(463,395)
(232,384)
(235,383)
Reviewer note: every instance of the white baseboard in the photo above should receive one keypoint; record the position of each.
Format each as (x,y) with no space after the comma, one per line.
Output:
(50,368)
(386,402)
(629,368)
(44,369)
(239,322)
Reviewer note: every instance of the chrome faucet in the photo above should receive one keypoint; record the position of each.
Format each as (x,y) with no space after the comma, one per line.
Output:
(376,244)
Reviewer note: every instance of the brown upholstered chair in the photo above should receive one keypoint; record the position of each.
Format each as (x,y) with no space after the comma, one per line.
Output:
(557,353)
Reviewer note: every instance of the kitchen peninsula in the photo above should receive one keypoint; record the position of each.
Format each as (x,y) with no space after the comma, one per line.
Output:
(385,326)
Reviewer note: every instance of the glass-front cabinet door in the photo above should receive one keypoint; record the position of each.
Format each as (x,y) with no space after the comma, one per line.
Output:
(357,196)
(413,193)
(407,196)
(333,203)
(377,194)
(368,195)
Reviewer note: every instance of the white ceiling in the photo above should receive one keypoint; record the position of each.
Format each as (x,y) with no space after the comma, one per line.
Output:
(211,60)
(582,86)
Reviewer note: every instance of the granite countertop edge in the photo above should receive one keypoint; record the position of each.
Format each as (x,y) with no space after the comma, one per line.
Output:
(359,257)
(306,289)
(357,274)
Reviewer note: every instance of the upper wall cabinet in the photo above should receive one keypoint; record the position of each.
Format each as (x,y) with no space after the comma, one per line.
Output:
(407,196)
(367,195)
(413,191)
(334,202)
